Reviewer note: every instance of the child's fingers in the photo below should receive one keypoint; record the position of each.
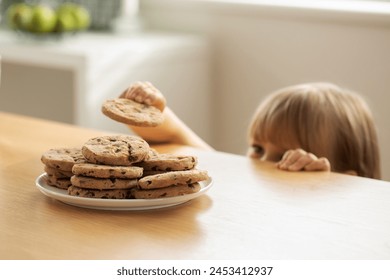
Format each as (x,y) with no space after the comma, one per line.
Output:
(136,93)
(145,93)
(321,164)
(132,93)
(154,96)
(157,100)
(290,157)
(140,97)
(301,162)
(296,160)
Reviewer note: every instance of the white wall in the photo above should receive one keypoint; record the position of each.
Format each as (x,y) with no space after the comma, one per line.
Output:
(260,48)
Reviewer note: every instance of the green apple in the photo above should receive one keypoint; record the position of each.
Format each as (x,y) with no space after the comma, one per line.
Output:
(66,7)
(83,17)
(19,16)
(80,14)
(65,22)
(43,19)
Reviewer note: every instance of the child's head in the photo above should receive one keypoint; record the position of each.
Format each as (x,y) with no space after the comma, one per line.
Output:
(322,119)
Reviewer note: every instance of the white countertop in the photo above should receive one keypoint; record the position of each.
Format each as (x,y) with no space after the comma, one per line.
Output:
(94,50)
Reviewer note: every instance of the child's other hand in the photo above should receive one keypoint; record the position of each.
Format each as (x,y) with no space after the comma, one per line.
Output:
(145,93)
(296,160)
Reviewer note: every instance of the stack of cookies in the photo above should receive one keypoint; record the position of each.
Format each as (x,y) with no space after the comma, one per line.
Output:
(58,165)
(109,171)
(168,175)
(122,167)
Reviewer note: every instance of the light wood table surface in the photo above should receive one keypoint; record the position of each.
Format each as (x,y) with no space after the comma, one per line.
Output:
(252,211)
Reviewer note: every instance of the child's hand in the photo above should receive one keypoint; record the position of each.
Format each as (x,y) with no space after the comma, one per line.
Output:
(296,160)
(146,93)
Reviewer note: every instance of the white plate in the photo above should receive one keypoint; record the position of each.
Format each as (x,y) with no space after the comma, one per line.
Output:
(118,204)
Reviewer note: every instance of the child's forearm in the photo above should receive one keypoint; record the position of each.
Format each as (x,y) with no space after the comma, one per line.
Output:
(172,131)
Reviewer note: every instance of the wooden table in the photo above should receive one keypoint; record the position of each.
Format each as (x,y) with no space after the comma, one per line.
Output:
(253,210)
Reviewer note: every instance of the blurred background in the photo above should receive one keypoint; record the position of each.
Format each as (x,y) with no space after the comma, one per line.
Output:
(213,59)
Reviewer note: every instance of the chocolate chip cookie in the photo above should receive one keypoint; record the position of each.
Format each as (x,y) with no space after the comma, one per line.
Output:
(115,150)
(62,158)
(170,191)
(168,162)
(102,194)
(107,171)
(61,183)
(130,112)
(102,184)
(172,178)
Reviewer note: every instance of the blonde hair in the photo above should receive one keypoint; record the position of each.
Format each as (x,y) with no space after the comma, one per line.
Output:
(322,119)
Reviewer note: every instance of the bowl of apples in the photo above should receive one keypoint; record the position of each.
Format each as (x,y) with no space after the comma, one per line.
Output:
(44,21)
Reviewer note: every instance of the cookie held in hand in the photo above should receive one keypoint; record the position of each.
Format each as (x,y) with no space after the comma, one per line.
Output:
(132,113)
